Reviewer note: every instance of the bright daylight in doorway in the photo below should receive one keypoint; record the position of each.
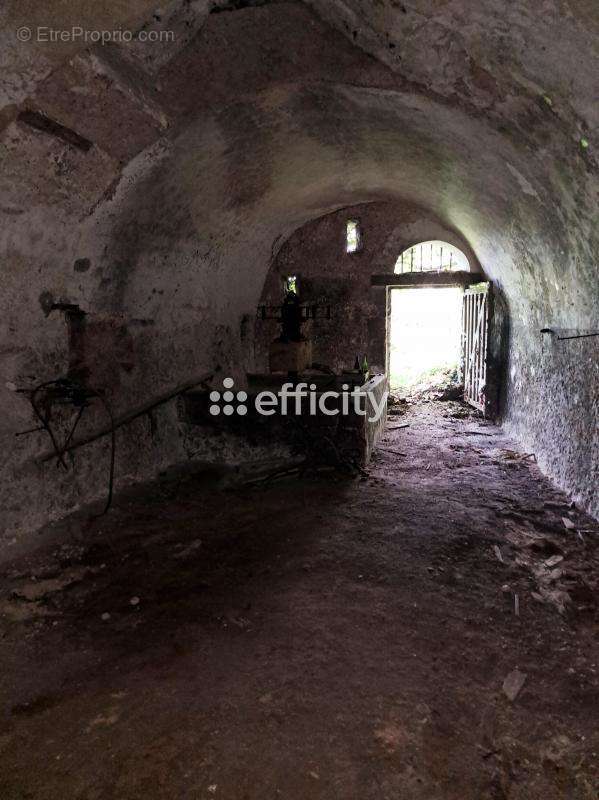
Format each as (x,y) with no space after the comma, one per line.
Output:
(425,337)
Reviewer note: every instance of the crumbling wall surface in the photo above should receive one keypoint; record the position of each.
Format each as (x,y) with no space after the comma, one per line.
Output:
(153,185)
(340,281)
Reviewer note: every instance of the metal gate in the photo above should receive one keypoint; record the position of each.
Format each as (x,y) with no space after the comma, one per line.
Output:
(476,316)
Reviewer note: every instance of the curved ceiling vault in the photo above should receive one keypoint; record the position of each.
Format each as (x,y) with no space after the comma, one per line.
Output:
(247,175)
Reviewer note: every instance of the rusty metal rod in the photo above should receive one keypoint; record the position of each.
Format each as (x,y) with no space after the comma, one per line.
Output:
(127,417)
(566,338)
(578,336)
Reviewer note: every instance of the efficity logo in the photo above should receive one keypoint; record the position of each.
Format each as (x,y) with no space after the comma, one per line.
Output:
(228,397)
(298,399)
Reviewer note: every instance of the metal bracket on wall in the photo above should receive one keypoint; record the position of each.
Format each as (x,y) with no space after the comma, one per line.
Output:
(552,332)
(78,397)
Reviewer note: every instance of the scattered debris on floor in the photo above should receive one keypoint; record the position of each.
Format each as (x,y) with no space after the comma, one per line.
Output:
(513,455)
(513,684)
(459,607)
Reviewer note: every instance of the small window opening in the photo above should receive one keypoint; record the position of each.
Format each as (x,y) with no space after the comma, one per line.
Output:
(352,236)
(432,256)
(290,284)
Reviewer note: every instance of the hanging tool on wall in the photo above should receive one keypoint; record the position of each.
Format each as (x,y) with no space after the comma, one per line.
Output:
(291,352)
(293,314)
(115,422)
(73,392)
(69,392)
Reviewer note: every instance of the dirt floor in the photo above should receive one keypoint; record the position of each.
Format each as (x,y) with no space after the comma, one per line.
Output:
(339,638)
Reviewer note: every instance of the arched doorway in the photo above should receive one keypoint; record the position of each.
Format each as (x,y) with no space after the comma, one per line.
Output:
(432,256)
(438,324)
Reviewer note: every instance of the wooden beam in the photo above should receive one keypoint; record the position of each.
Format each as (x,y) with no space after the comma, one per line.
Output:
(407,279)
(128,416)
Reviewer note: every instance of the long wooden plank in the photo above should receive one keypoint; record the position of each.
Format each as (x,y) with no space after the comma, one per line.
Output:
(478,345)
(465,337)
(128,416)
(465,345)
(457,278)
(471,323)
(484,343)
(475,334)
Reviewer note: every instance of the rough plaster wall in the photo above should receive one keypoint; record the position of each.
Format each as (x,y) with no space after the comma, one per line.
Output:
(331,276)
(193,183)
(520,239)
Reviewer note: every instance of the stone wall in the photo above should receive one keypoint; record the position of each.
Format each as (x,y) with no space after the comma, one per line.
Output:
(207,154)
(329,275)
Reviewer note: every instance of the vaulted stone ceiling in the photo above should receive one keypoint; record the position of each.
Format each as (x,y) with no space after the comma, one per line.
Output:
(526,73)
(482,52)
